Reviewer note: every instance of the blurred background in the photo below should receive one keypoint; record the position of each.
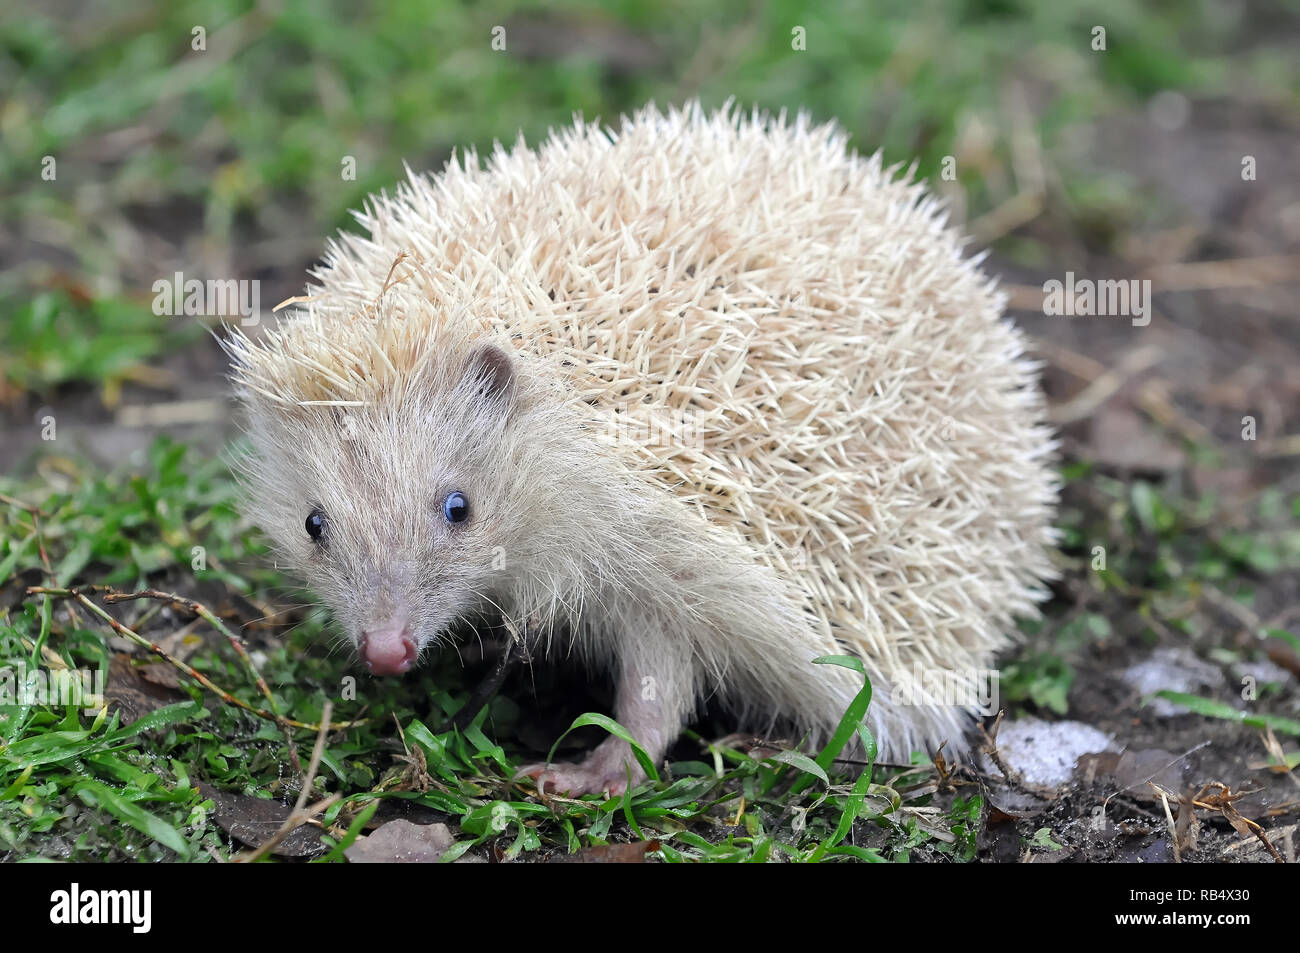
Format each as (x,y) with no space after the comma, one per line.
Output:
(224,161)
(1157,141)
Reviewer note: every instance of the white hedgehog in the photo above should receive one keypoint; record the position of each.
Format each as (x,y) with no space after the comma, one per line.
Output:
(698,400)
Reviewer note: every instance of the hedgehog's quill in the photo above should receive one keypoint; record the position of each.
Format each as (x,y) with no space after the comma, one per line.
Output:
(696,401)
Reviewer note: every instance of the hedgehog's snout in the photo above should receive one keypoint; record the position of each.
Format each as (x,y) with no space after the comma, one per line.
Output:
(388,648)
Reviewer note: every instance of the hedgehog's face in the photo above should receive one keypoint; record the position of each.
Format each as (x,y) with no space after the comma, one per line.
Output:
(398,514)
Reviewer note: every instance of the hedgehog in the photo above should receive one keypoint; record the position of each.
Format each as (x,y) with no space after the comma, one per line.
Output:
(694,402)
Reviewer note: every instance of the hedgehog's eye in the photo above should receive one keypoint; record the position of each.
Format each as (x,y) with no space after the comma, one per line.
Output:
(316,520)
(455,507)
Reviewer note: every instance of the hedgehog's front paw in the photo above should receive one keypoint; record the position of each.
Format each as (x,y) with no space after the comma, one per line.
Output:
(605,771)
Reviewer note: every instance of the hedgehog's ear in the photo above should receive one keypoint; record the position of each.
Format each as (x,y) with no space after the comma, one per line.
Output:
(493,370)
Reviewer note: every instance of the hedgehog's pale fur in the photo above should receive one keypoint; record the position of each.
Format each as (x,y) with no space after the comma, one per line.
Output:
(846,452)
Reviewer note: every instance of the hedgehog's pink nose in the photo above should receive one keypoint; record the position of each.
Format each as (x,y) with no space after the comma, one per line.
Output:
(388,650)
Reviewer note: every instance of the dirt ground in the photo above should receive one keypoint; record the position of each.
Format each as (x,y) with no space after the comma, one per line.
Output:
(1223,344)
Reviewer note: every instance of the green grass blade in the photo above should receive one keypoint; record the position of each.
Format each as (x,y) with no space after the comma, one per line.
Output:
(1216,709)
(615,729)
(95,794)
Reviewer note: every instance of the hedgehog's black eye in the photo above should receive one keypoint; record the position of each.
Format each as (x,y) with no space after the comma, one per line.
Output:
(456,508)
(316,523)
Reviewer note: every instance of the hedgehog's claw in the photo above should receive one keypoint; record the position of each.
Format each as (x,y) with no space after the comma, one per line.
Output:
(604,772)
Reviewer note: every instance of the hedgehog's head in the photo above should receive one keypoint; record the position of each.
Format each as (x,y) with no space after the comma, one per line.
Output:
(399,511)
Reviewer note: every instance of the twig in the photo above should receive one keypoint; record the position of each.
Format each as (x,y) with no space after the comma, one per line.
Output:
(1012,777)
(1020,209)
(170,414)
(1153,398)
(235,642)
(1230,273)
(1281,447)
(35,511)
(1173,831)
(45,557)
(166,656)
(299,816)
(1104,387)
(1243,614)
(1222,802)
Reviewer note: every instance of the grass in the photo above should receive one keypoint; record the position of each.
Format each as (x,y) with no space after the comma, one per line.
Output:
(1177,569)
(229,161)
(247,140)
(57,338)
(76,784)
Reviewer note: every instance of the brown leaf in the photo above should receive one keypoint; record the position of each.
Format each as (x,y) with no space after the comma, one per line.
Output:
(401,842)
(1238,823)
(1121,438)
(1135,769)
(253,820)
(137,693)
(634,853)
(1016,805)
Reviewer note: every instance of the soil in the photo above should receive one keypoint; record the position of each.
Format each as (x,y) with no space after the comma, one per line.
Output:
(1224,345)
